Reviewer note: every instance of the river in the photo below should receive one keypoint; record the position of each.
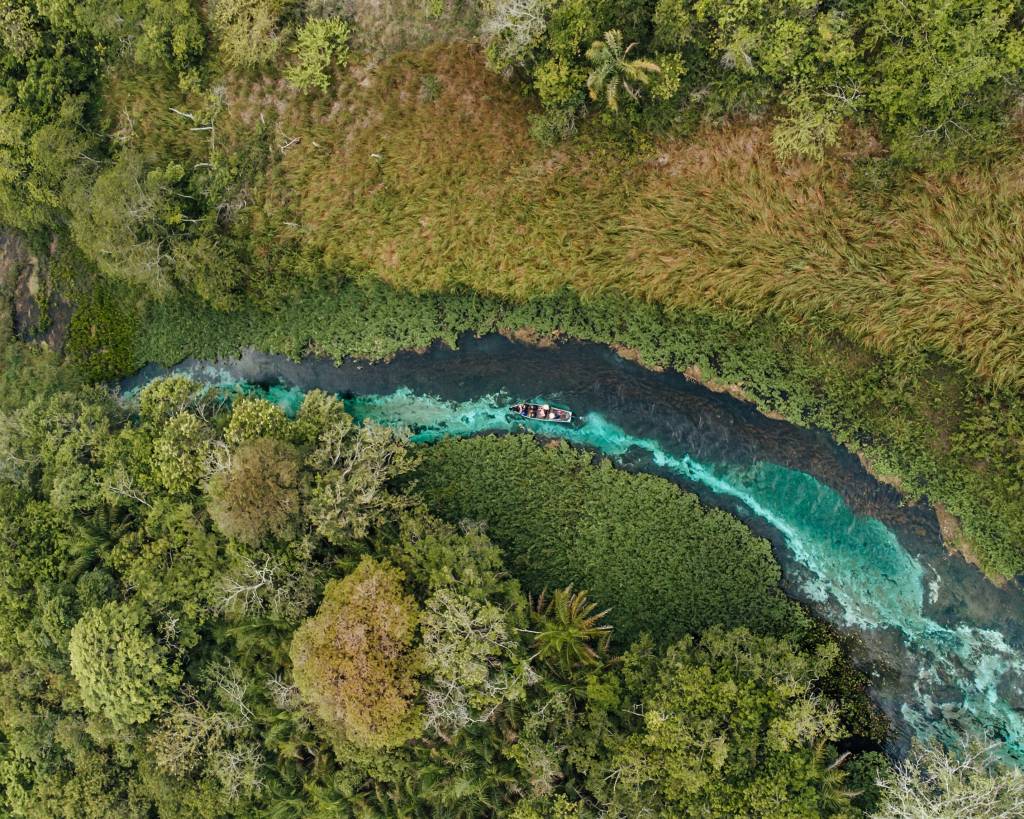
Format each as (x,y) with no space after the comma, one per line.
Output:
(943,647)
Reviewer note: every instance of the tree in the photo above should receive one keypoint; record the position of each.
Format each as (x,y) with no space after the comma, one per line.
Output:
(172,566)
(354,661)
(255,418)
(473,659)
(350,497)
(323,424)
(166,397)
(673,23)
(969,780)
(512,29)
(731,727)
(943,74)
(258,494)
(569,635)
(181,453)
(122,672)
(613,72)
(124,220)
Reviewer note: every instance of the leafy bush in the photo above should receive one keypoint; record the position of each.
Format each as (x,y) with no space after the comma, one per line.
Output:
(733,727)
(319,43)
(250,31)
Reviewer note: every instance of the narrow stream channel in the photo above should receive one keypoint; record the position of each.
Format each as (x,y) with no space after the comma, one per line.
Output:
(943,646)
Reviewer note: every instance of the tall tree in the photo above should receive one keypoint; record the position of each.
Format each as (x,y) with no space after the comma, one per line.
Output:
(354,661)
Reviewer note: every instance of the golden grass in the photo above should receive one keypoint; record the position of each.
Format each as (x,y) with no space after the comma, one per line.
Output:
(429,192)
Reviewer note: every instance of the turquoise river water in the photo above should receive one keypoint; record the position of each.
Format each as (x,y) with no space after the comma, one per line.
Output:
(944,648)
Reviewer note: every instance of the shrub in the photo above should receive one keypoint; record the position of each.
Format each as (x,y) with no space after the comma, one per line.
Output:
(319,42)
(249,31)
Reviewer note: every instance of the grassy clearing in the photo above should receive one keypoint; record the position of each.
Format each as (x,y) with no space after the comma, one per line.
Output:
(430,190)
(420,170)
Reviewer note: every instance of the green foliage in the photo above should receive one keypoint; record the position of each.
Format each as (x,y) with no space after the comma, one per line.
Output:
(642,547)
(257,493)
(102,334)
(319,43)
(569,634)
(253,418)
(354,663)
(614,73)
(731,728)
(349,497)
(164,398)
(123,220)
(46,72)
(181,455)
(944,75)
(123,672)
(474,661)
(250,31)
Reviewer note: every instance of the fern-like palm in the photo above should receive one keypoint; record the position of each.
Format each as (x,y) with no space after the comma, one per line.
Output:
(614,73)
(569,632)
(835,795)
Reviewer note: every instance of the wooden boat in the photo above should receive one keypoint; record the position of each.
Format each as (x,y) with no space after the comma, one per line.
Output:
(542,412)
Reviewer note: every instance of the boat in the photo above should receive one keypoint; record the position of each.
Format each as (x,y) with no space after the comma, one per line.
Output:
(542,412)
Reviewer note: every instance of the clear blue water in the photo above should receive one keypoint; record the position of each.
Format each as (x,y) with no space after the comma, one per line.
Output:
(944,648)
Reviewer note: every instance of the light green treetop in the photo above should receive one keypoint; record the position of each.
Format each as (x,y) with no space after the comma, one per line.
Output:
(122,672)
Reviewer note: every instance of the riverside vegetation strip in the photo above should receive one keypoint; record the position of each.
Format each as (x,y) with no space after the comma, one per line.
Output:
(945,434)
(849,269)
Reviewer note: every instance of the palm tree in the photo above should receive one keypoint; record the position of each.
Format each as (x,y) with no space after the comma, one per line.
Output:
(614,72)
(835,796)
(569,634)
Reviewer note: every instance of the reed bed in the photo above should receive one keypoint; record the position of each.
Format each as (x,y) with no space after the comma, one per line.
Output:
(432,190)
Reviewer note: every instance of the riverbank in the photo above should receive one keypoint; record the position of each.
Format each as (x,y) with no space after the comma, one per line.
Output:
(944,436)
